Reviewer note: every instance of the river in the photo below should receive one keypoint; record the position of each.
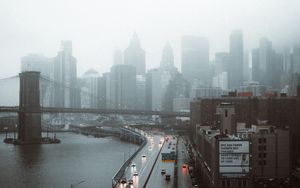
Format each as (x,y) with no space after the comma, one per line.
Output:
(78,160)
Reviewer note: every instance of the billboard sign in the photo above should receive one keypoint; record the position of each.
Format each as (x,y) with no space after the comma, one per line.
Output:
(238,146)
(234,160)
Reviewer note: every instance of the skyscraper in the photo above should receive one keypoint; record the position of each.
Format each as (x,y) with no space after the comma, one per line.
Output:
(123,87)
(89,89)
(267,65)
(67,92)
(167,58)
(235,67)
(195,59)
(117,57)
(153,90)
(296,59)
(134,55)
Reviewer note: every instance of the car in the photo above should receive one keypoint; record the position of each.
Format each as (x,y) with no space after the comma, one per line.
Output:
(168,177)
(133,165)
(130,182)
(163,171)
(143,156)
(135,174)
(173,148)
(123,181)
(184,166)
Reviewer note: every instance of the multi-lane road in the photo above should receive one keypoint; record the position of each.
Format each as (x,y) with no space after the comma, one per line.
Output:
(145,170)
(143,162)
(157,179)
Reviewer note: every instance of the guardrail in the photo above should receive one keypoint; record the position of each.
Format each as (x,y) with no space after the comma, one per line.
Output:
(117,177)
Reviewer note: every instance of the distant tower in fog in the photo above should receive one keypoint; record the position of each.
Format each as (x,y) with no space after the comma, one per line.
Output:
(65,74)
(235,67)
(117,57)
(134,55)
(167,58)
(195,59)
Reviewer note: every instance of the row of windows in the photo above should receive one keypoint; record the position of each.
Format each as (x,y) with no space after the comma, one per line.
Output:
(262,140)
(262,163)
(262,148)
(262,155)
(240,183)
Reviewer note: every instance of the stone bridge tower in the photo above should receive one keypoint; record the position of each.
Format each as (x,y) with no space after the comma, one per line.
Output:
(29,129)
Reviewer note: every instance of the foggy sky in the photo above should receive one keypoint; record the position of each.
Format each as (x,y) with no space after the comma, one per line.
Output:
(98,27)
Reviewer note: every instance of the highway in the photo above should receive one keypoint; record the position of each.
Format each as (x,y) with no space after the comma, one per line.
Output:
(184,179)
(157,179)
(143,165)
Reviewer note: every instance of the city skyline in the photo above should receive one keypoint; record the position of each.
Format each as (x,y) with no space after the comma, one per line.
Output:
(94,40)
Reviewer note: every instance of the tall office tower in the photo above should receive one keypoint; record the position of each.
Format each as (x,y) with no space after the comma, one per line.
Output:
(153,90)
(256,75)
(123,87)
(178,87)
(167,61)
(140,92)
(195,59)
(117,57)
(296,59)
(108,101)
(265,58)
(36,62)
(44,65)
(287,60)
(235,68)
(89,89)
(102,92)
(267,65)
(67,92)
(167,58)
(221,62)
(134,55)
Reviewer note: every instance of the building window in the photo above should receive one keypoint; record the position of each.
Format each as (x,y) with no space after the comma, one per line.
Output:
(259,155)
(265,148)
(226,113)
(240,183)
(244,183)
(264,162)
(265,155)
(259,163)
(228,183)
(259,148)
(259,140)
(265,140)
(223,183)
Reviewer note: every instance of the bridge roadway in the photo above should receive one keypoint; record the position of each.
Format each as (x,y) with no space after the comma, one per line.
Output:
(143,165)
(99,111)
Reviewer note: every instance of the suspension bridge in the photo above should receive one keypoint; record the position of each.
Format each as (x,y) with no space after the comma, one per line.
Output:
(38,94)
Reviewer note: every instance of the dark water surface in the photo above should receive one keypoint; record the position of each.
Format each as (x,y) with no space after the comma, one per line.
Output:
(91,161)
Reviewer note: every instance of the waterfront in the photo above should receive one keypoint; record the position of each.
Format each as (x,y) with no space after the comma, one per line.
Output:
(78,158)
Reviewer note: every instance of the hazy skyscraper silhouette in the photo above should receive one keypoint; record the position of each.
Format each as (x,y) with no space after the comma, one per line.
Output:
(195,59)
(65,74)
(235,71)
(134,55)
(117,57)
